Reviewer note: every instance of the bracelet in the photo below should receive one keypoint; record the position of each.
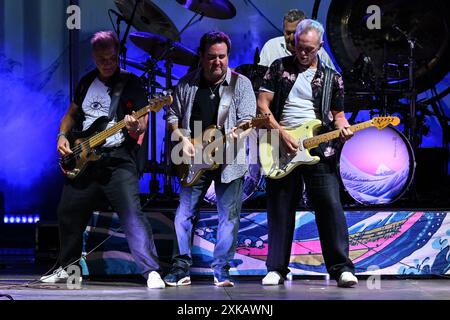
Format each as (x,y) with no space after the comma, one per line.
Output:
(61,134)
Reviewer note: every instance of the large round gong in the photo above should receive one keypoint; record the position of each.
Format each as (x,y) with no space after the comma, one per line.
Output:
(379,57)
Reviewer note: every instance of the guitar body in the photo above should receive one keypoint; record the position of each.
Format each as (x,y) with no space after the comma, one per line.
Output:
(212,144)
(73,165)
(268,155)
(190,173)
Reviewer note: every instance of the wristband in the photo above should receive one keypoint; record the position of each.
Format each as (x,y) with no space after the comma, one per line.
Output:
(61,134)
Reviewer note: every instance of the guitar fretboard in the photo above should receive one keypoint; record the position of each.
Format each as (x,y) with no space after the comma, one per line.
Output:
(315,141)
(154,105)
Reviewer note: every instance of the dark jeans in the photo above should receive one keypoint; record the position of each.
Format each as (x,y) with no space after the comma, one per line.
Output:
(283,196)
(115,179)
(229,200)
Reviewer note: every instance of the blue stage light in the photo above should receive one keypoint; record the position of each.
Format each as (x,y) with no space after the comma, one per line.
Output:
(21,218)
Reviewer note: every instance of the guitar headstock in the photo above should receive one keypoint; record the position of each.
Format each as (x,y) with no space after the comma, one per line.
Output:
(158,103)
(383,122)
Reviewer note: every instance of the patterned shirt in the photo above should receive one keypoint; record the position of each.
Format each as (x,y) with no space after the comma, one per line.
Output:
(280,79)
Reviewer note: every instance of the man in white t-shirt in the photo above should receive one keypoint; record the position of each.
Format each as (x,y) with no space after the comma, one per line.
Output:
(284,46)
(115,176)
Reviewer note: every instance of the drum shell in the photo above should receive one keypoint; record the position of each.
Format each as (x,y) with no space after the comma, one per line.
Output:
(376,167)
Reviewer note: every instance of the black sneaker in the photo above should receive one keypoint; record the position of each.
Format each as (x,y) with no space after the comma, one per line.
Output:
(177,277)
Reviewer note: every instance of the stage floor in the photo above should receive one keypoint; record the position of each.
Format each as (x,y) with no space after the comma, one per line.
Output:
(246,288)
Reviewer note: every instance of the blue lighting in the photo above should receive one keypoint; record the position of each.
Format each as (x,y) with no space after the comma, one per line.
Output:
(21,218)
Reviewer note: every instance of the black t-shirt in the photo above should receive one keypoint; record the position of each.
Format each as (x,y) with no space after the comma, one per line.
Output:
(133,98)
(204,108)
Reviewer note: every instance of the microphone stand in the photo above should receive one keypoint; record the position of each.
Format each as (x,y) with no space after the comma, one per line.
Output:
(412,121)
(122,47)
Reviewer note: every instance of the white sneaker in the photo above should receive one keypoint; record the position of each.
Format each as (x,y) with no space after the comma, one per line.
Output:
(58,276)
(273,278)
(347,280)
(154,281)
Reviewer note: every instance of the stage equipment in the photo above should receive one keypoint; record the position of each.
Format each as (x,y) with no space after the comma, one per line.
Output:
(383,55)
(217,9)
(377,166)
(148,18)
(157,45)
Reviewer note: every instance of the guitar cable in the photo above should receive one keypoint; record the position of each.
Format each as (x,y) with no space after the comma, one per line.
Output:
(32,283)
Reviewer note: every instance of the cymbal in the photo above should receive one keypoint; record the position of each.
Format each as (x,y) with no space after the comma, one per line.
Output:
(218,9)
(144,66)
(156,45)
(148,18)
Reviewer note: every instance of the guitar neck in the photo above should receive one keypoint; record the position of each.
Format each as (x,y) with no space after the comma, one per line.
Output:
(316,140)
(243,127)
(98,138)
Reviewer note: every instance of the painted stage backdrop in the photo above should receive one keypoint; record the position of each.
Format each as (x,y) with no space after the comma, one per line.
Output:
(381,242)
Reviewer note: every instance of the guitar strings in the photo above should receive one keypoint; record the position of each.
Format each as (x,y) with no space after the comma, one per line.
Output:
(154,103)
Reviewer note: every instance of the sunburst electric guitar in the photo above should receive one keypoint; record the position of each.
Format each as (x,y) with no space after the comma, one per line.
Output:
(85,145)
(277,164)
(191,172)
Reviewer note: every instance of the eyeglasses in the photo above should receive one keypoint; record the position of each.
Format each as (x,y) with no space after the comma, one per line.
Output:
(308,50)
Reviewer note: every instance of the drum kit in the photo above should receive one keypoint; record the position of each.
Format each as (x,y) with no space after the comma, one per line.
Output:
(379,68)
(158,37)
(408,53)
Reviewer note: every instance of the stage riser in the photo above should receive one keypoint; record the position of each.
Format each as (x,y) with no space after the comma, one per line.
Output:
(381,242)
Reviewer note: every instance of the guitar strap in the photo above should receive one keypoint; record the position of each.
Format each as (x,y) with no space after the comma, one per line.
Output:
(326,96)
(115,97)
(226,99)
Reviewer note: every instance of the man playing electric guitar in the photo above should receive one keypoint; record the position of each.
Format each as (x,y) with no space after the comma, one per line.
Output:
(214,95)
(297,89)
(115,175)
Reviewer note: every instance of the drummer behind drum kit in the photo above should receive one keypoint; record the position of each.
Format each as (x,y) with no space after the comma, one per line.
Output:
(372,68)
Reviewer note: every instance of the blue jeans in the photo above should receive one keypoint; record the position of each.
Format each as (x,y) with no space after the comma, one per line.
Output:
(229,201)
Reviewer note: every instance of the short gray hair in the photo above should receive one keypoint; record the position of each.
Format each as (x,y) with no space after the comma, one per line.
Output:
(294,15)
(307,25)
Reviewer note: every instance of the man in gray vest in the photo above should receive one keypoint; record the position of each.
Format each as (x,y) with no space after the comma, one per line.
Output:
(198,102)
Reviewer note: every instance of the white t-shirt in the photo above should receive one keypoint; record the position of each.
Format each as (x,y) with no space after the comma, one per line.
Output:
(276,48)
(96,104)
(299,107)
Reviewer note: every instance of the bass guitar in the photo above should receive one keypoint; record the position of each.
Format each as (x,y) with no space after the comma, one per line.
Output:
(86,145)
